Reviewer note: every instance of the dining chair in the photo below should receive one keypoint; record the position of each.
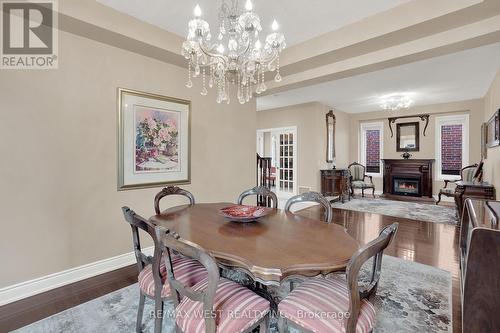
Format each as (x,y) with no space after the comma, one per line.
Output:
(152,270)
(466,174)
(214,304)
(357,179)
(341,303)
(260,191)
(172,190)
(312,197)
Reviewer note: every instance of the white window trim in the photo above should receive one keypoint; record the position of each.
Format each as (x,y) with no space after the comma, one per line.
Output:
(362,146)
(463,120)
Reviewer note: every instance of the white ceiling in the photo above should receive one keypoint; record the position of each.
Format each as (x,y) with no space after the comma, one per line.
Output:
(454,77)
(299,19)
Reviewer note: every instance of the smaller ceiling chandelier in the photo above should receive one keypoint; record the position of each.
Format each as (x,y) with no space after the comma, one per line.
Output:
(237,56)
(396,102)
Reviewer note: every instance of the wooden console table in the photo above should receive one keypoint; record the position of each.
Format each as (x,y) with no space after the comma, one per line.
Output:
(335,182)
(473,190)
(479,268)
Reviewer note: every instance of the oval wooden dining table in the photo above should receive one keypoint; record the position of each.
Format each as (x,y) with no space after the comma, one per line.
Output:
(271,249)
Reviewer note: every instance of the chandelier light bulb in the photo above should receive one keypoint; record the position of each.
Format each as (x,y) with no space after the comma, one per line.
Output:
(249,5)
(197,11)
(258,45)
(220,48)
(275,26)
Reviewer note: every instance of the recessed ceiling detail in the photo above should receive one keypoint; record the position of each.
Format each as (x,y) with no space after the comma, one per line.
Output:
(455,77)
(299,20)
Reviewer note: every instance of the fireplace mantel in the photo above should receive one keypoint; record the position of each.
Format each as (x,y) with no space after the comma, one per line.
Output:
(411,169)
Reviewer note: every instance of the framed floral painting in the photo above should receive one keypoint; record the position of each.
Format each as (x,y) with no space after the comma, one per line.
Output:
(153,140)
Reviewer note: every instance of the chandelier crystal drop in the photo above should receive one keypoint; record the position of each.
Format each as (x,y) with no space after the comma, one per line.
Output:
(237,56)
(396,102)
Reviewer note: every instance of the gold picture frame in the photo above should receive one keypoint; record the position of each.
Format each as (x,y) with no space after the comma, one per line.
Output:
(153,140)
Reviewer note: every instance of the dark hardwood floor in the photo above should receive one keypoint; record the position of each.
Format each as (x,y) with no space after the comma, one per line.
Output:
(427,243)
(31,309)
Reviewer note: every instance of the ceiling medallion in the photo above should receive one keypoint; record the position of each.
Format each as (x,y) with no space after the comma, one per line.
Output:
(396,102)
(237,56)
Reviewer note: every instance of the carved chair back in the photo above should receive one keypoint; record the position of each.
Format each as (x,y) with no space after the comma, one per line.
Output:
(168,242)
(468,172)
(374,249)
(357,171)
(172,190)
(139,223)
(259,191)
(312,197)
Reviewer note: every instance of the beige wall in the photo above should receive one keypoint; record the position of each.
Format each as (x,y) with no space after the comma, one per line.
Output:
(492,163)
(267,144)
(311,137)
(427,143)
(60,206)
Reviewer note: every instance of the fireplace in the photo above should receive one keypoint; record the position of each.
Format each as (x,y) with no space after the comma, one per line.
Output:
(408,179)
(406,186)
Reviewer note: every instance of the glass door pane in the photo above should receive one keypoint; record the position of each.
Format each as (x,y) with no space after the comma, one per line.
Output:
(286,183)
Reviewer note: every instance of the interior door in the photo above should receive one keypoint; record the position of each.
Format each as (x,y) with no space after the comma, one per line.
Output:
(286,159)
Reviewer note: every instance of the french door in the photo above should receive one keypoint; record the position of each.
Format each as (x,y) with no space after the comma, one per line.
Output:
(285,145)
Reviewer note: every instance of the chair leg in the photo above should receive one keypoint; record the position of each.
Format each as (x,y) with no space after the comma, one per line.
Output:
(282,324)
(362,192)
(292,286)
(373,192)
(158,316)
(263,327)
(140,312)
(439,199)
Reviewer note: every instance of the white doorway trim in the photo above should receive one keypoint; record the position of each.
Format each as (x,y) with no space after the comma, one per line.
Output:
(295,182)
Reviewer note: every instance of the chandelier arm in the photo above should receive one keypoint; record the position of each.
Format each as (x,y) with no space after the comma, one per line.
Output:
(211,54)
(269,59)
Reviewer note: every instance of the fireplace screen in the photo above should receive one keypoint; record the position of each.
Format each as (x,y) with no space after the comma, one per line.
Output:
(407,186)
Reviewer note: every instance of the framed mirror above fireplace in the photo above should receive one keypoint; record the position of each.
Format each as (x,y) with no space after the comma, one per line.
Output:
(408,136)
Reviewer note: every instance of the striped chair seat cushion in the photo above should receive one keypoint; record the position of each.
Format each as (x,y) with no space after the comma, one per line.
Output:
(186,270)
(236,309)
(361,184)
(320,305)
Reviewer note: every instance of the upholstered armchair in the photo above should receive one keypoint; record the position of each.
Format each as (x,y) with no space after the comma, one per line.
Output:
(358,179)
(466,174)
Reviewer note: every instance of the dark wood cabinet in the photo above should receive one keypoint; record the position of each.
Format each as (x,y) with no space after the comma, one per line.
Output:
(335,182)
(472,190)
(480,271)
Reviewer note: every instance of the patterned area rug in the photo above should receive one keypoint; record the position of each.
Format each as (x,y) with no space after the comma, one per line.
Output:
(411,298)
(408,210)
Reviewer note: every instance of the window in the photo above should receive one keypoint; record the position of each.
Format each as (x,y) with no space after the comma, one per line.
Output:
(372,147)
(452,142)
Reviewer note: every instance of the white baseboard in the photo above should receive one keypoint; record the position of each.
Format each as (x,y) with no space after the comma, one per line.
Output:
(39,285)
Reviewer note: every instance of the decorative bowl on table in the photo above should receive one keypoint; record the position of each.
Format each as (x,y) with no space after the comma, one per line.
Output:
(243,213)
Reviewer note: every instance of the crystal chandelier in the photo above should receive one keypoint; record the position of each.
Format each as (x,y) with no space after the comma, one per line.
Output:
(396,102)
(237,57)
